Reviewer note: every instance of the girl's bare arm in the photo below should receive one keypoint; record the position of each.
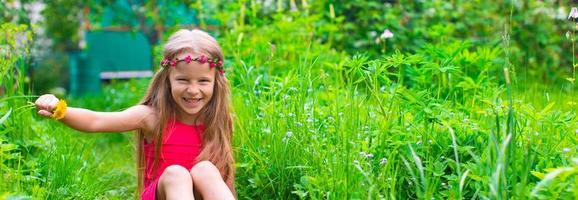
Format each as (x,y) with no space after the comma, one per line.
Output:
(136,117)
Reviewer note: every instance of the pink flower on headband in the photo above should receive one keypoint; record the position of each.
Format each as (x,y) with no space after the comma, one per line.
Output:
(164,62)
(202,59)
(188,59)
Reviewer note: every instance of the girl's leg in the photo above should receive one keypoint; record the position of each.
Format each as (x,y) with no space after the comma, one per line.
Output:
(175,183)
(209,183)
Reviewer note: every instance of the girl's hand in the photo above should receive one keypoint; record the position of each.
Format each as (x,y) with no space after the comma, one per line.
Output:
(46,104)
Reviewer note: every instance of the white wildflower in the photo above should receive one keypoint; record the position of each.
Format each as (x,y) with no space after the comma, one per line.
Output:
(372,33)
(288,135)
(383,161)
(267,130)
(386,34)
(573,13)
(307,105)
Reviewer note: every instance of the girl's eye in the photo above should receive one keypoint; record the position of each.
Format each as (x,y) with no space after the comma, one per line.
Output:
(182,80)
(205,80)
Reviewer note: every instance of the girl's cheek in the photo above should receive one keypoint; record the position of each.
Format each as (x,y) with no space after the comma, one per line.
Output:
(181,86)
(209,88)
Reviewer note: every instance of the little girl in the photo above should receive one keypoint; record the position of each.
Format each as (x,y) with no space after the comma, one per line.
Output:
(183,123)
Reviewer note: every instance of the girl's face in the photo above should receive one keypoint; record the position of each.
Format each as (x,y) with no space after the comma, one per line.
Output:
(192,87)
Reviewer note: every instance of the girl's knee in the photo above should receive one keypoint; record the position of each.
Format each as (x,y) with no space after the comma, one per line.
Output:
(205,170)
(175,174)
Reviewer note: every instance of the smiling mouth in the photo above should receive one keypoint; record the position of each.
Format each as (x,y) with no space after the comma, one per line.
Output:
(192,100)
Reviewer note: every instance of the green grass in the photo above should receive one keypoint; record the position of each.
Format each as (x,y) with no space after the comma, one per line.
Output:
(312,122)
(421,146)
(52,161)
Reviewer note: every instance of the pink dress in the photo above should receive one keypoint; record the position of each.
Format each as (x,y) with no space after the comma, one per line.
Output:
(181,146)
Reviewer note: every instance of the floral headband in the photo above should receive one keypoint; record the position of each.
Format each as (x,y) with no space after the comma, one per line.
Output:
(201,59)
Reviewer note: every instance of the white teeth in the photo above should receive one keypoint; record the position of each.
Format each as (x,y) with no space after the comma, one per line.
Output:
(192,99)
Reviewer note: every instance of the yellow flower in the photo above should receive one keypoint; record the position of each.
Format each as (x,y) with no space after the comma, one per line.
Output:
(60,110)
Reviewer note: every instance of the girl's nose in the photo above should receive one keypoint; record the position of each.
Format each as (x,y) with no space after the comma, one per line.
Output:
(192,89)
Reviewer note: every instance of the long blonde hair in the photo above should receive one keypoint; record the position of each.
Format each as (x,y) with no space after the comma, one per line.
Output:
(217,137)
